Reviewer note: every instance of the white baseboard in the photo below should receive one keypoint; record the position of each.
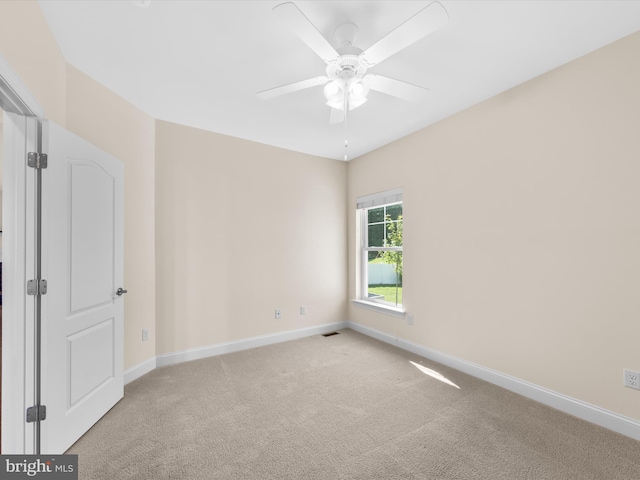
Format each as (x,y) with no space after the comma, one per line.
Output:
(599,416)
(244,344)
(174,358)
(139,370)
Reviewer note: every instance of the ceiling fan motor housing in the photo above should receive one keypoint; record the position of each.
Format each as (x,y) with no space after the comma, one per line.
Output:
(346,34)
(348,65)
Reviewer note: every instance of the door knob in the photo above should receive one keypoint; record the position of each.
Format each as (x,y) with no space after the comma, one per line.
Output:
(120,291)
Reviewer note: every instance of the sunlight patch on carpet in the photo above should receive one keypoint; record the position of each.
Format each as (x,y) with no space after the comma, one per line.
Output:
(434,374)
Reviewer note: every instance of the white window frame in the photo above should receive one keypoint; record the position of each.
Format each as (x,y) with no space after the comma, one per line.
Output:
(363,204)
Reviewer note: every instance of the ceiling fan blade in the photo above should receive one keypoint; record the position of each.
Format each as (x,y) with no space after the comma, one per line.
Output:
(426,21)
(292,87)
(337,116)
(290,14)
(397,88)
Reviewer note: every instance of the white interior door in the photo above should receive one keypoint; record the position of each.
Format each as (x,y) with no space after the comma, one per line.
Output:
(83,316)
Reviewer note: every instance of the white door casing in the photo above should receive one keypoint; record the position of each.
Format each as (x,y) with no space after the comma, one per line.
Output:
(18,325)
(83,258)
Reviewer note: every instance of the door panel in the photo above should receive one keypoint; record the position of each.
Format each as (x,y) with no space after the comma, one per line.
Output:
(92,191)
(83,264)
(91,360)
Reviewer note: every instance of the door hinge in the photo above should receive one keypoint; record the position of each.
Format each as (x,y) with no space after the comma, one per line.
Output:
(35,413)
(37,287)
(37,160)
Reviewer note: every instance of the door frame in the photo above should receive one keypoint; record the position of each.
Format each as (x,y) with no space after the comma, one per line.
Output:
(15,97)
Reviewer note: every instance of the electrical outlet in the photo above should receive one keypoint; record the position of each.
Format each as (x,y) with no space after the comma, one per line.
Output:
(145,334)
(631,379)
(303,310)
(278,314)
(409,318)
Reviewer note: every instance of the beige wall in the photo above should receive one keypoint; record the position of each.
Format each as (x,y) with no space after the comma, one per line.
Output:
(88,109)
(242,229)
(27,44)
(522,229)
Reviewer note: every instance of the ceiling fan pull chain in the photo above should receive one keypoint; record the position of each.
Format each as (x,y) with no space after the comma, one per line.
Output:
(346,111)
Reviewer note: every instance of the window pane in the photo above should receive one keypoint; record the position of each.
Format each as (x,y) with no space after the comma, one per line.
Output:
(376,235)
(376,215)
(394,210)
(384,269)
(384,276)
(394,234)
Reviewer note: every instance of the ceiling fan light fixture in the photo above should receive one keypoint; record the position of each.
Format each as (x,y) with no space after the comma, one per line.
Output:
(358,90)
(334,92)
(356,103)
(332,88)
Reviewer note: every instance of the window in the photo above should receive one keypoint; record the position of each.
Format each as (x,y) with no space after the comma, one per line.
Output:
(381,230)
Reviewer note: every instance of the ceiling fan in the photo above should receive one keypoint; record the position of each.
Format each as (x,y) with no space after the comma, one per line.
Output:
(347,83)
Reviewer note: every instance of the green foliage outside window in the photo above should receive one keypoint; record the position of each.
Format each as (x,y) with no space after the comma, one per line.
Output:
(394,239)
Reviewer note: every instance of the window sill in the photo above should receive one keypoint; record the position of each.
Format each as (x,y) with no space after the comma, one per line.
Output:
(380,308)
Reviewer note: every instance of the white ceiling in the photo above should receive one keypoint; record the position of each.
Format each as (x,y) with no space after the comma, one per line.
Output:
(200,63)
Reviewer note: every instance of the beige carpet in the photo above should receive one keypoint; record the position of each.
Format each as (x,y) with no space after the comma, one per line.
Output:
(340,407)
